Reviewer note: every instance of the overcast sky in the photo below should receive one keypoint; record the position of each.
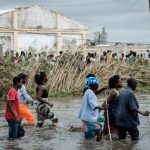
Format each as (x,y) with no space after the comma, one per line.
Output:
(125,20)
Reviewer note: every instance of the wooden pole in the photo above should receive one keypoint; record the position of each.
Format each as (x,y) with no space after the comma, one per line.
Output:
(110,138)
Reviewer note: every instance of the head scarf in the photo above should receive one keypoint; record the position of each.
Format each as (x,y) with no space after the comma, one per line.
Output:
(92,80)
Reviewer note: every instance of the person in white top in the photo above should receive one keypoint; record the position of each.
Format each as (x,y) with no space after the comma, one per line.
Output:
(89,111)
(25,99)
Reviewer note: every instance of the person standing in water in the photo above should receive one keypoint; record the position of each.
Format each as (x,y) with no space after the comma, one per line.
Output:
(43,107)
(115,84)
(127,118)
(25,99)
(12,113)
(89,111)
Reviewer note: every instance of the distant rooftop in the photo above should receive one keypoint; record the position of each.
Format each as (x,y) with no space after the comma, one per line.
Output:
(10,10)
(7,10)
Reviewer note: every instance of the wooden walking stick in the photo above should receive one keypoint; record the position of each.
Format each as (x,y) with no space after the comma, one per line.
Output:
(110,138)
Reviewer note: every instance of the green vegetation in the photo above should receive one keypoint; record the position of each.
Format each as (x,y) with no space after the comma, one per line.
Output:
(66,77)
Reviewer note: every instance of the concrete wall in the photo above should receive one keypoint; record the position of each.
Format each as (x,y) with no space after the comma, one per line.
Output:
(36,17)
(33,27)
(67,23)
(6,41)
(71,41)
(40,42)
(6,20)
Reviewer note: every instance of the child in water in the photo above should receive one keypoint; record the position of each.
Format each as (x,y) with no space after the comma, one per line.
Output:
(89,114)
(43,108)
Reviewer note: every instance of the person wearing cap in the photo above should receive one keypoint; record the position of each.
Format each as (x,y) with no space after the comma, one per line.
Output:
(25,99)
(89,114)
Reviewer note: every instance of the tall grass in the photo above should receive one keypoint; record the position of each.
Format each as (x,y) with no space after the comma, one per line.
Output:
(66,77)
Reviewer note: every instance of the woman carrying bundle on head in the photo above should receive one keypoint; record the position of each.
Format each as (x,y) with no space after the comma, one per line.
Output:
(89,114)
(43,107)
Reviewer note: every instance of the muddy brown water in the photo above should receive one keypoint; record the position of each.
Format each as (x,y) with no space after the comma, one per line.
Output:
(61,137)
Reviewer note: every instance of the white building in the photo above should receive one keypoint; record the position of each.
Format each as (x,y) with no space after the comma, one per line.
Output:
(39,28)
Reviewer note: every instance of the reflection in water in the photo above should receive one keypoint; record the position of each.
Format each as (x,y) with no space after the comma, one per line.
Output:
(61,137)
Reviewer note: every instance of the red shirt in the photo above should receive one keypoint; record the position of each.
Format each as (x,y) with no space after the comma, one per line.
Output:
(12,96)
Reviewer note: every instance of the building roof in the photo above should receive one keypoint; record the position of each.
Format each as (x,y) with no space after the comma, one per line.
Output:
(15,9)
(6,11)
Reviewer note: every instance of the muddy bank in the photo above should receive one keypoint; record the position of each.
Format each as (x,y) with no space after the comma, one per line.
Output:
(61,137)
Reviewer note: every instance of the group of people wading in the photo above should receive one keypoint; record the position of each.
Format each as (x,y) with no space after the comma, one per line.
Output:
(16,108)
(122,109)
(120,115)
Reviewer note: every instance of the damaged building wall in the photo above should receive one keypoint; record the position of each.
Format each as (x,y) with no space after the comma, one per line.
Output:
(6,20)
(40,42)
(41,28)
(71,41)
(67,23)
(36,18)
(6,42)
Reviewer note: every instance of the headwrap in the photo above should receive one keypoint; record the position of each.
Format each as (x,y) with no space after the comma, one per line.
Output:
(92,80)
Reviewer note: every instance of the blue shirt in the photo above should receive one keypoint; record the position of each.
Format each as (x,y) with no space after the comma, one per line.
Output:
(87,112)
(127,104)
(24,96)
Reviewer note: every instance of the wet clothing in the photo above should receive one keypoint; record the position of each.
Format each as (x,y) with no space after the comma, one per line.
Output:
(43,109)
(113,104)
(127,104)
(112,111)
(15,130)
(44,112)
(92,128)
(24,111)
(133,132)
(26,114)
(87,110)
(127,118)
(12,96)
(88,114)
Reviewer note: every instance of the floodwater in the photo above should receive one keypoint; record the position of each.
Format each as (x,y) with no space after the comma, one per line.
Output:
(63,137)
